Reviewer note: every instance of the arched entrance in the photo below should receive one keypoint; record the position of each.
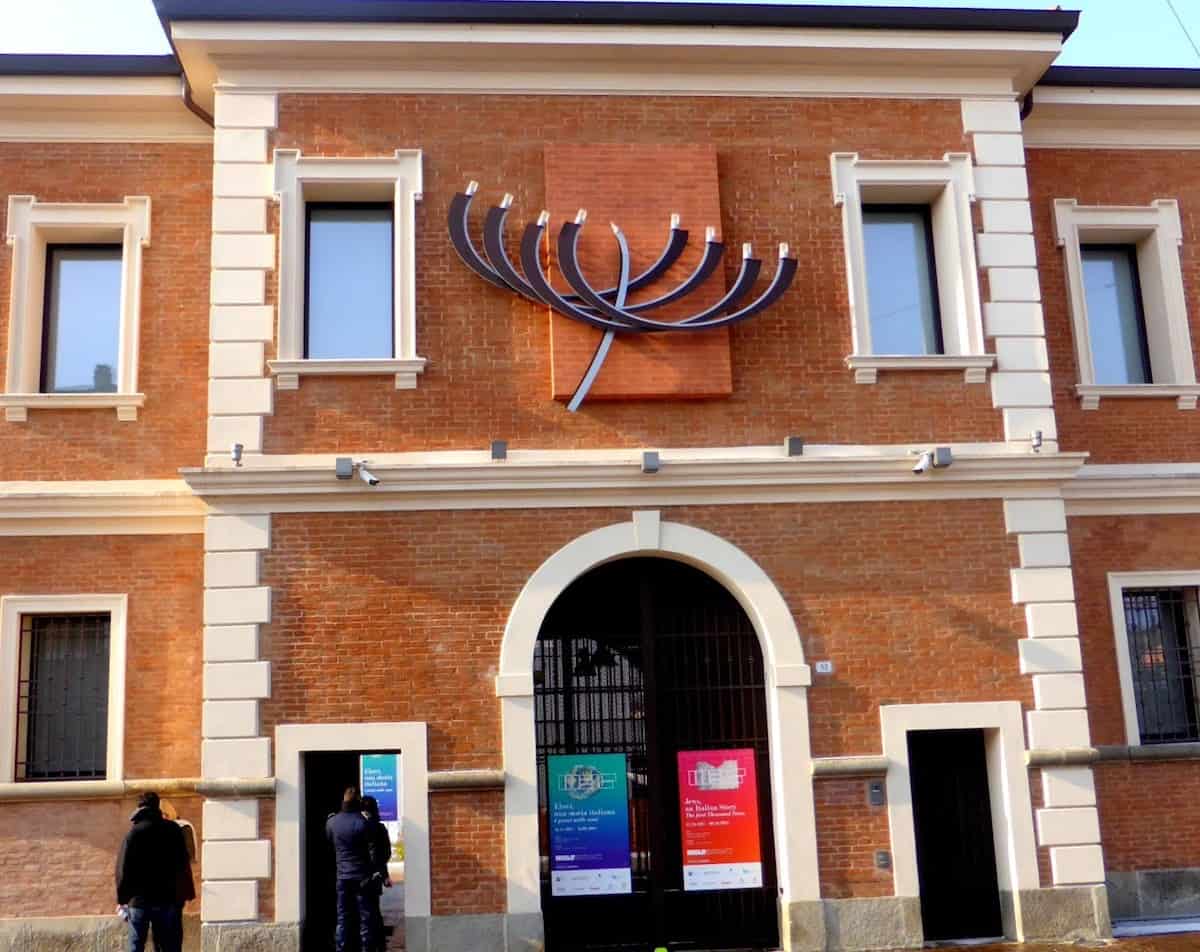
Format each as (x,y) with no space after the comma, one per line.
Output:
(787,679)
(648,673)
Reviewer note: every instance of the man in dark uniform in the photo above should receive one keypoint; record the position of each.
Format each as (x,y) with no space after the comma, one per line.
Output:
(154,878)
(348,832)
(381,852)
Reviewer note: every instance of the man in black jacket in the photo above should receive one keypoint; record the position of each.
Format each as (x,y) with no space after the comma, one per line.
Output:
(347,831)
(154,878)
(381,852)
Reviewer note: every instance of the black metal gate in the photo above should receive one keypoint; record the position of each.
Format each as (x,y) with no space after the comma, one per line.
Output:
(649,657)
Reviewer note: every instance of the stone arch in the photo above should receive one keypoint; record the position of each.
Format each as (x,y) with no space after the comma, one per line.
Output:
(787,675)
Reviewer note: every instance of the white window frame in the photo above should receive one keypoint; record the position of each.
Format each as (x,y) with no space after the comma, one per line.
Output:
(32,225)
(1156,232)
(1117,583)
(301,179)
(12,607)
(947,186)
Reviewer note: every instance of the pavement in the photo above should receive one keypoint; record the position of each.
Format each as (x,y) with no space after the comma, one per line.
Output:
(1189,942)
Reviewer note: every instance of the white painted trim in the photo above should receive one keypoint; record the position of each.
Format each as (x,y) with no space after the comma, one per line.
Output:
(866,367)
(299,178)
(948,186)
(91,125)
(1133,488)
(1008,783)
(288,372)
(17,405)
(12,607)
(31,226)
(1067,117)
(126,507)
(1117,583)
(625,59)
(291,742)
(787,706)
(1184,395)
(731,475)
(1157,232)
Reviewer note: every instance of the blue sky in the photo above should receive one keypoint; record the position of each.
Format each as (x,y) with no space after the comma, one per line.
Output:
(1111,33)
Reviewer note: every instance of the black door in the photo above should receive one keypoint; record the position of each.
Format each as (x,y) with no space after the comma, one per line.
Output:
(649,657)
(327,774)
(952,816)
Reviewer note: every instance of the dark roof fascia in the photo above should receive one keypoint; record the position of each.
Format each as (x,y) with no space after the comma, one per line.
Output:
(598,12)
(1113,77)
(65,64)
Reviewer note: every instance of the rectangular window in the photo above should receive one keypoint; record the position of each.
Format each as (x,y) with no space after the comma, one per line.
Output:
(1116,321)
(901,280)
(81,326)
(1163,628)
(348,285)
(62,697)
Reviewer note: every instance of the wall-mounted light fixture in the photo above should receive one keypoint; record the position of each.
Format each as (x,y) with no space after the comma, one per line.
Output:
(235,453)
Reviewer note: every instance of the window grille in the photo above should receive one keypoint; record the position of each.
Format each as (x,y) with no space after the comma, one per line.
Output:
(62,697)
(1163,626)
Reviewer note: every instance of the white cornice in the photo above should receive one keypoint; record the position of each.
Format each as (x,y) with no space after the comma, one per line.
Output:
(629,60)
(573,479)
(1113,118)
(1134,489)
(97,109)
(102,507)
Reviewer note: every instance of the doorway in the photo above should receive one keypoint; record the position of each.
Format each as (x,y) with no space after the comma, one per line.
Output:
(653,661)
(952,820)
(326,775)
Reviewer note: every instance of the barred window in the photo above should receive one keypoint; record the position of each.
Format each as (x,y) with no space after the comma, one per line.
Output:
(1163,627)
(62,697)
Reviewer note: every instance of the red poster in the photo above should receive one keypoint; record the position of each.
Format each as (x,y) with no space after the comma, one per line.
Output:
(718,809)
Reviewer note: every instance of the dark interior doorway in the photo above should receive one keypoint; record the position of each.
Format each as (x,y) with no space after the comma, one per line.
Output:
(952,817)
(650,658)
(327,774)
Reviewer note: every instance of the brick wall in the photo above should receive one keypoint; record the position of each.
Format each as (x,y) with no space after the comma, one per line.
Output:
(1140,804)
(173,364)
(489,353)
(57,859)
(849,831)
(162,577)
(1121,430)
(406,612)
(466,843)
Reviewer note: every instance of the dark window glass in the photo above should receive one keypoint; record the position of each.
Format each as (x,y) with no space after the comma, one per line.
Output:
(1116,323)
(62,697)
(349,275)
(901,280)
(82,323)
(1164,645)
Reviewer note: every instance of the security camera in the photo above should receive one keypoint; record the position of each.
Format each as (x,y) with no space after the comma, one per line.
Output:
(235,453)
(366,476)
(940,457)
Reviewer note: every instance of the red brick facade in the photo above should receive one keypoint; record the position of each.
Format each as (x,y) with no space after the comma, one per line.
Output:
(284,598)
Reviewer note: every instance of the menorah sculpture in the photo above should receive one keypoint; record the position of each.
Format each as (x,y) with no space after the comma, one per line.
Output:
(608,309)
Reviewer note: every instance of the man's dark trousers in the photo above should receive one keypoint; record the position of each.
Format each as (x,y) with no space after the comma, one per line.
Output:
(353,916)
(166,921)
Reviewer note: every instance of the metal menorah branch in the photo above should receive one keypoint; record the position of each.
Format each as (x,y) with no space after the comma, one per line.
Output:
(608,309)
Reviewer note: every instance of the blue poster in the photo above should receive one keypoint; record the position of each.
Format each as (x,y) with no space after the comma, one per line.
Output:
(589,825)
(379,777)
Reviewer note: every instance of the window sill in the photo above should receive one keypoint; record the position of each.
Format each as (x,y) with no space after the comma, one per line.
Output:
(866,367)
(17,405)
(1185,394)
(288,372)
